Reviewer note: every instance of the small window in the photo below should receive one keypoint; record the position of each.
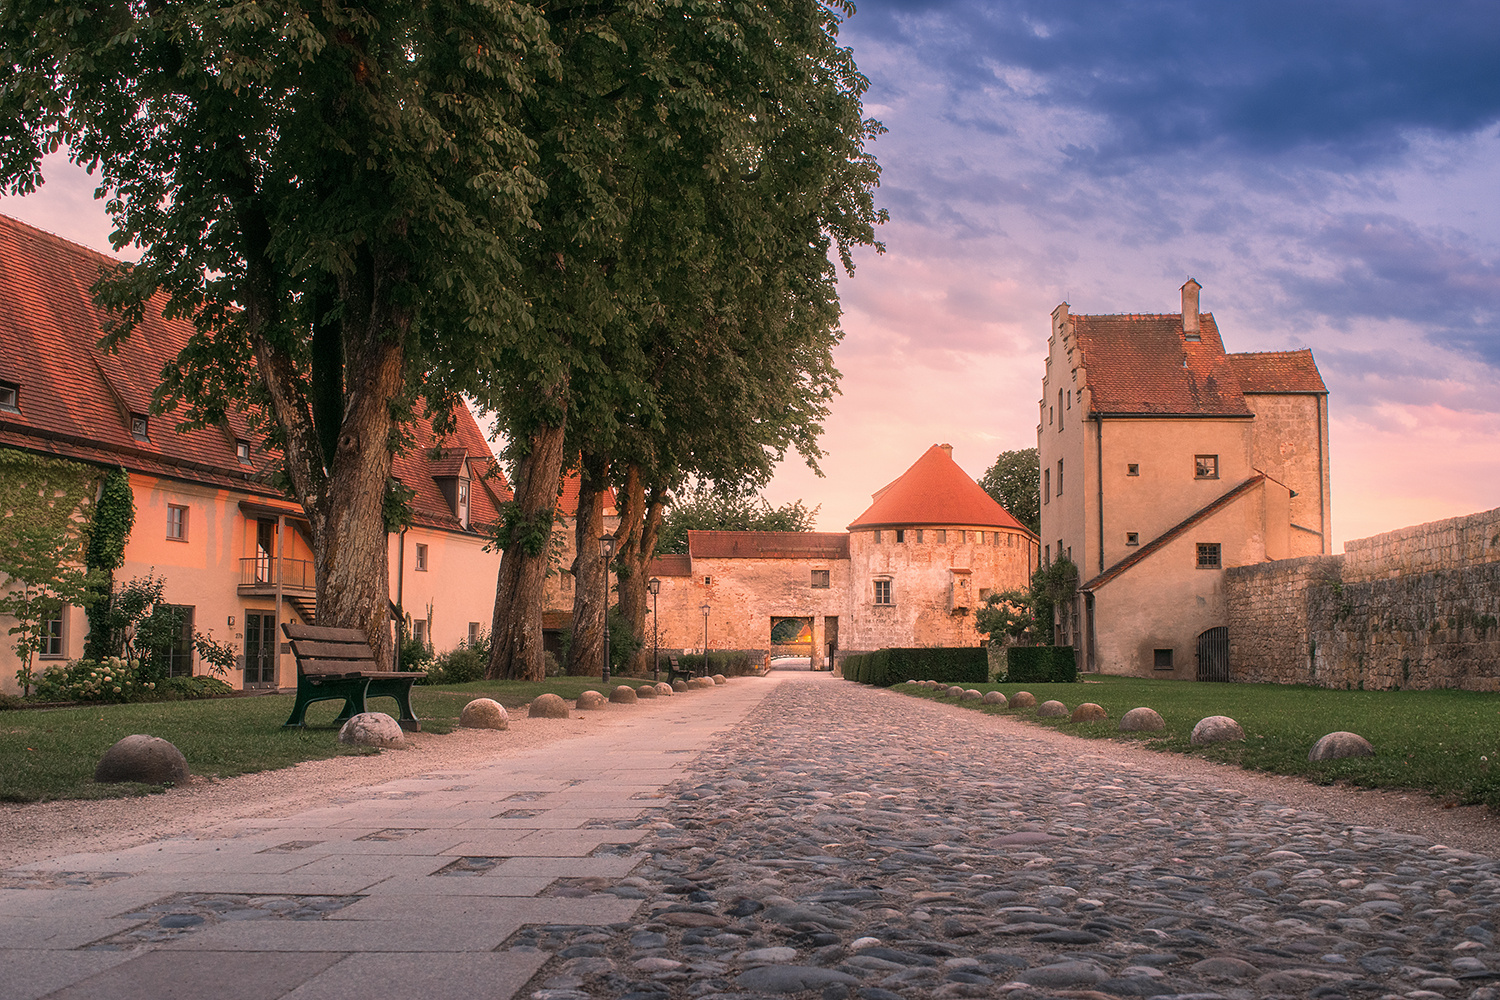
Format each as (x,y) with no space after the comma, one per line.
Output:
(421,558)
(10,397)
(1132,469)
(177,522)
(473,634)
(242,451)
(820,579)
(1046,486)
(708,581)
(877,538)
(140,428)
(1059,476)
(900,535)
(53,644)
(1050,419)
(1207,467)
(1059,414)
(1163,659)
(1132,538)
(419,631)
(1208,555)
(919,534)
(463,502)
(940,535)
(1046,555)
(883,592)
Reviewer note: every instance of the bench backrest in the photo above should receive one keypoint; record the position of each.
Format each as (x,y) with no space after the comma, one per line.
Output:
(672,659)
(321,650)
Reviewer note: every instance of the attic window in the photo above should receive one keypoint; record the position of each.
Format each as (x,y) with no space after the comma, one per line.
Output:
(10,397)
(463,502)
(242,451)
(139,427)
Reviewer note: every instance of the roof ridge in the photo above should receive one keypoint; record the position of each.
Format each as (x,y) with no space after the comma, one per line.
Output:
(49,234)
(1171,533)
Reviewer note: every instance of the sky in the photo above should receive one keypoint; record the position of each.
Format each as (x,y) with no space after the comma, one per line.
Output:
(1329,172)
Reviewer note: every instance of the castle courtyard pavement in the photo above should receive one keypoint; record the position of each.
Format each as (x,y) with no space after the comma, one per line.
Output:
(795,836)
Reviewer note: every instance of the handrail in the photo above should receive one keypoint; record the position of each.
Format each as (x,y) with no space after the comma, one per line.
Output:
(260,571)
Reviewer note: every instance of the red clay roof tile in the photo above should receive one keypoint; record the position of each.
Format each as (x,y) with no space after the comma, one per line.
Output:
(768,545)
(1140,365)
(935,491)
(1277,372)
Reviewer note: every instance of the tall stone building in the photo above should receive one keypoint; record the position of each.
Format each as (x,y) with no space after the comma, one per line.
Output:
(909,572)
(1165,460)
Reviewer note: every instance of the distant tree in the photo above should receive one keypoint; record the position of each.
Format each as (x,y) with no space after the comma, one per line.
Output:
(1009,616)
(1014,482)
(707,509)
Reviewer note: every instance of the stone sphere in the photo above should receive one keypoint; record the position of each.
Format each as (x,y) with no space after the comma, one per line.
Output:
(720,679)
(1141,720)
(1337,745)
(994,698)
(1022,699)
(623,695)
(914,681)
(1088,712)
(971,695)
(663,688)
(590,699)
(148,759)
(484,713)
(646,691)
(372,729)
(953,692)
(1051,710)
(679,685)
(1217,729)
(547,706)
(701,682)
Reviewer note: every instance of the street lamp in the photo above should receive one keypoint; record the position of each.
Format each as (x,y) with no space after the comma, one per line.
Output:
(705,638)
(654,585)
(607,549)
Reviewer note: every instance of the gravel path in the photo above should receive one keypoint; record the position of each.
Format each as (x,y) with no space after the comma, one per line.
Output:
(846,842)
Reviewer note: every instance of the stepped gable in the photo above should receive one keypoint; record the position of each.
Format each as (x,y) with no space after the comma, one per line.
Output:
(767,545)
(1275,372)
(1143,364)
(76,400)
(935,491)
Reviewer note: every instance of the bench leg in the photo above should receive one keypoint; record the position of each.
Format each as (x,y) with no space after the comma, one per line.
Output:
(352,693)
(401,691)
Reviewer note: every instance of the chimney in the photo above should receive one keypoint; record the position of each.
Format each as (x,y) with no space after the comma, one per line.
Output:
(1190,309)
(948,448)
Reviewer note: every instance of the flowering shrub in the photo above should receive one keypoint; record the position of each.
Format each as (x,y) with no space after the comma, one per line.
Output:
(109,679)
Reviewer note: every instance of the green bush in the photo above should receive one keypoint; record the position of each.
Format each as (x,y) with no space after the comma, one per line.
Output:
(729,662)
(887,667)
(457,666)
(191,688)
(1041,665)
(112,679)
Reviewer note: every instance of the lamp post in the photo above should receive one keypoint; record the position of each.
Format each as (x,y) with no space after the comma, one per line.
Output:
(654,586)
(705,638)
(607,549)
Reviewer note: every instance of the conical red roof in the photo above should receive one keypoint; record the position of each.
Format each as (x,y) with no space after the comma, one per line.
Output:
(935,491)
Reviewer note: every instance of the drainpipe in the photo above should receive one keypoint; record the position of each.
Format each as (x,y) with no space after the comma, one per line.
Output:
(280,607)
(1099,481)
(400,584)
(1322,473)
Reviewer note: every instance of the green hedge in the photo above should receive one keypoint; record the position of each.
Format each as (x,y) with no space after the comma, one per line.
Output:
(1041,665)
(886,667)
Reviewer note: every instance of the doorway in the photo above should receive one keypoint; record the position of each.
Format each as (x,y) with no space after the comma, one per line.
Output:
(1213,655)
(260,650)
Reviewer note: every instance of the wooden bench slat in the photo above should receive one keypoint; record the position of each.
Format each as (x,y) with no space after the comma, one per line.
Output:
(322,633)
(307,650)
(331,668)
(390,675)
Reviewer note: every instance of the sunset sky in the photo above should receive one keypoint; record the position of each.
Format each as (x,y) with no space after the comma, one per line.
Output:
(1329,172)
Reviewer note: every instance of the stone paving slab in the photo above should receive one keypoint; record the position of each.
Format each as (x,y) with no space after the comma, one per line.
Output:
(165,975)
(365,975)
(27,975)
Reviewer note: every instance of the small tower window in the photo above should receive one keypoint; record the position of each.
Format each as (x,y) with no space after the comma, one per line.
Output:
(900,535)
(883,592)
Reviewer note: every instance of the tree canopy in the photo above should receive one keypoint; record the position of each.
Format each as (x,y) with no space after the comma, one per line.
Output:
(707,509)
(1014,482)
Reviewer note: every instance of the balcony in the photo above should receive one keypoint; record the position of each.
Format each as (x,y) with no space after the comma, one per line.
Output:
(258,577)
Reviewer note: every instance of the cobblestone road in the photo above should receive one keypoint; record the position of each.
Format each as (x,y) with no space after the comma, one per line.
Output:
(844,842)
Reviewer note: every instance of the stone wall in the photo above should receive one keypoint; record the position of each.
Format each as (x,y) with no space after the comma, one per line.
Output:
(1414,608)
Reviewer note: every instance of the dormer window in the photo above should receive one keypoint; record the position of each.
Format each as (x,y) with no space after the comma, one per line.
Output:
(10,397)
(242,451)
(139,427)
(463,502)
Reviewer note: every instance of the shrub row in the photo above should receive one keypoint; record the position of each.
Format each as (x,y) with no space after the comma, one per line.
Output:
(886,667)
(729,662)
(1040,665)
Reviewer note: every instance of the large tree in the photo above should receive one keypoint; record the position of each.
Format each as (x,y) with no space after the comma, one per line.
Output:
(706,509)
(1014,482)
(329,191)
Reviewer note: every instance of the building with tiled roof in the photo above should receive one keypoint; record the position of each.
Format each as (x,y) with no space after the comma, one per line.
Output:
(909,572)
(232,548)
(1164,460)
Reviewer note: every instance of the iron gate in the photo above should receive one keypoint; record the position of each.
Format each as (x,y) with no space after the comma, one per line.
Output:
(1213,655)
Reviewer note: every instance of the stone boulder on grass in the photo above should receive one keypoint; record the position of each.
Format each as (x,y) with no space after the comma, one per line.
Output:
(623,695)
(1051,710)
(1088,712)
(372,729)
(994,698)
(1335,746)
(591,699)
(1141,720)
(547,706)
(970,695)
(664,689)
(646,691)
(150,760)
(679,685)
(1022,699)
(1216,729)
(484,713)
(720,679)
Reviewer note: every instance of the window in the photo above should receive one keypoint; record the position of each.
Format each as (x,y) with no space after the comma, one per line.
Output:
(1207,467)
(1059,477)
(473,634)
(180,654)
(877,538)
(1059,414)
(177,522)
(1132,538)
(708,581)
(940,535)
(463,502)
(10,397)
(820,579)
(1046,486)
(900,535)
(1163,659)
(1059,548)
(1046,555)
(1132,469)
(421,558)
(419,630)
(1208,555)
(53,644)
(242,451)
(139,427)
(919,534)
(883,592)
(1049,415)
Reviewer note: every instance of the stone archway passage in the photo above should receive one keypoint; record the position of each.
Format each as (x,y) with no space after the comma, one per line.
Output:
(1213,655)
(791,636)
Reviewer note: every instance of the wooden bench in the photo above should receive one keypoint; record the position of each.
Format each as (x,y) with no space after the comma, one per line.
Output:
(676,670)
(334,663)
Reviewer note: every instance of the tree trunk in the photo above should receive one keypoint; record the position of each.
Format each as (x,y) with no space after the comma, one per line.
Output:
(635,545)
(590,595)
(526,536)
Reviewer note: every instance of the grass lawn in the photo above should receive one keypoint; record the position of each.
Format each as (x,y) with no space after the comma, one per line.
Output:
(1443,742)
(51,753)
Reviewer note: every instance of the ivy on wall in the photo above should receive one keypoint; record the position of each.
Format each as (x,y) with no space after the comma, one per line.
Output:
(114,517)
